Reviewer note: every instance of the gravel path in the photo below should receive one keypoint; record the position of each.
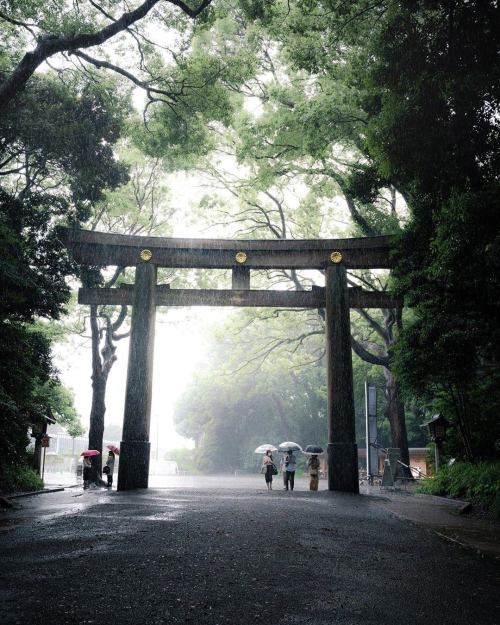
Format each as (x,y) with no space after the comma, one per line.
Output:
(229,556)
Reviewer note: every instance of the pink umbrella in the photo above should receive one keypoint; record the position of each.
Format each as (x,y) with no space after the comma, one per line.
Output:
(90,452)
(114,449)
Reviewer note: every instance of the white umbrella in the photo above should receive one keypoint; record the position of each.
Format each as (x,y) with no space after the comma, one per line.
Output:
(289,446)
(261,449)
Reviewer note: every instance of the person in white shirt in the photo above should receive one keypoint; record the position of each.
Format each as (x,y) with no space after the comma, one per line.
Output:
(290,466)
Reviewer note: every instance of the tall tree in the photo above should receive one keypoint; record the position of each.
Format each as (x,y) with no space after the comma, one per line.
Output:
(432,87)
(49,173)
(138,208)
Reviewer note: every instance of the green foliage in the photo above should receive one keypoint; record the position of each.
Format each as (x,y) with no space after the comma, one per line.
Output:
(33,265)
(18,479)
(433,75)
(24,367)
(256,9)
(181,131)
(57,150)
(57,401)
(230,408)
(65,132)
(186,460)
(433,86)
(477,483)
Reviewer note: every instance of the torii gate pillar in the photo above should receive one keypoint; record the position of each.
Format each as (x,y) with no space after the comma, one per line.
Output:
(342,448)
(135,447)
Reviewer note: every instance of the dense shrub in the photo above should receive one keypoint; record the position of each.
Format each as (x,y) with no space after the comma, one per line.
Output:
(477,483)
(19,479)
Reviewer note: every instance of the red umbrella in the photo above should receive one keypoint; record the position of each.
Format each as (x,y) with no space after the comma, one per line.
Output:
(90,452)
(114,449)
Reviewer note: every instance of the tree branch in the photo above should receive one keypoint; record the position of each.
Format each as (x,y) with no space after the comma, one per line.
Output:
(119,320)
(118,70)
(11,20)
(374,324)
(367,356)
(49,45)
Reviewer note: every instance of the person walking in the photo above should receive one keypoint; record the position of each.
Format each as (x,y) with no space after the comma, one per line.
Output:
(290,466)
(268,466)
(109,468)
(313,464)
(283,470)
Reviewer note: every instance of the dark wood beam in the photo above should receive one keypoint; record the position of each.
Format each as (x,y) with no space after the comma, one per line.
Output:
(217,297)
(240,278)
(98,248)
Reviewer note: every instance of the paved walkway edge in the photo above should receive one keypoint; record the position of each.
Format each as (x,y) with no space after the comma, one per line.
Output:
(484,553)
(35,492)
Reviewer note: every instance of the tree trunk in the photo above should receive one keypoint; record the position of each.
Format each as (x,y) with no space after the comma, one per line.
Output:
(396,414)
(96,429)
(285,422)
(460,404)
(98,408)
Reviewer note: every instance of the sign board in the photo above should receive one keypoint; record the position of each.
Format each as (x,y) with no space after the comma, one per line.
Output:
(45,441)
(371,429)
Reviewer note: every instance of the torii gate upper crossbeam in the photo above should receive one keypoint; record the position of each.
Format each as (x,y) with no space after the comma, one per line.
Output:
(99,248)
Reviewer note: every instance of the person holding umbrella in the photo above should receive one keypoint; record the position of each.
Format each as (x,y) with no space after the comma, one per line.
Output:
(109,468)
(270,468)
(290,462)
(290,467)
(87,471)
(283,470)
(87,465)
(110,463)
(313,464)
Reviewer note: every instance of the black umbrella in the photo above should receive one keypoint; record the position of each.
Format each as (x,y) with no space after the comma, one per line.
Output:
(313,450)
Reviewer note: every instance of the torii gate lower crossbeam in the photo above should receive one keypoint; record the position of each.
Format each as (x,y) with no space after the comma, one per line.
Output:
(145,295)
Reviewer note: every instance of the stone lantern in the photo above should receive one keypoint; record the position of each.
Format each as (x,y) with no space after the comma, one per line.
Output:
(437,431)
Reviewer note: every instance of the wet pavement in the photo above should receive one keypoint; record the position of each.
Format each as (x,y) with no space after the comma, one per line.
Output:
(225,551)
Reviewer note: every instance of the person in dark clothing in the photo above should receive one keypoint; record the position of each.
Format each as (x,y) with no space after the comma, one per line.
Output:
(87,472)
(109,468)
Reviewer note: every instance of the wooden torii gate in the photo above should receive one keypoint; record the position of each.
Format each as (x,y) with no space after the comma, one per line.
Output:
(332,256)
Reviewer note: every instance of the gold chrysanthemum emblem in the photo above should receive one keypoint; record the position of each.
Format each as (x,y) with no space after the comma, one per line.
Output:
(146,255)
